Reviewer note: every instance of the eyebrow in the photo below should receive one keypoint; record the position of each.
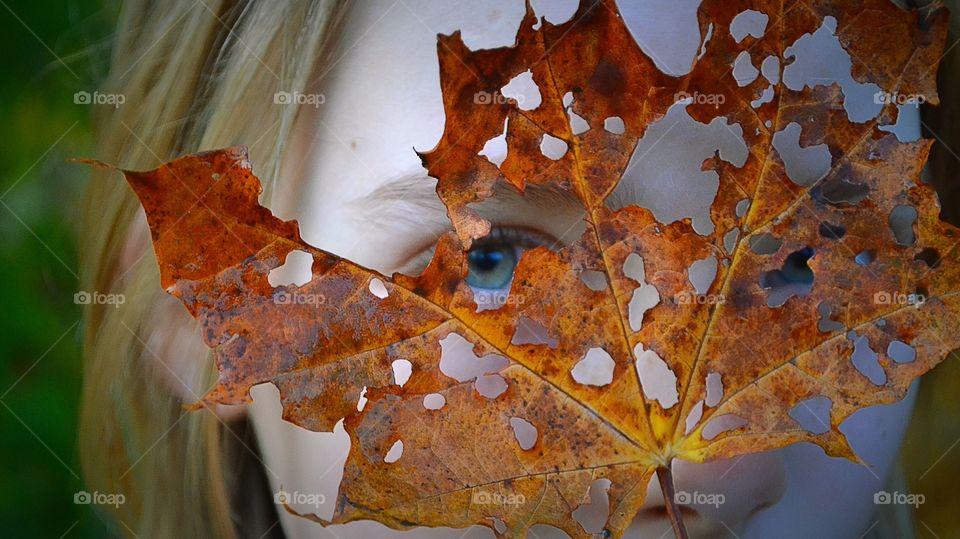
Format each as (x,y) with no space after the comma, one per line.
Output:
(417,191)
(406,199)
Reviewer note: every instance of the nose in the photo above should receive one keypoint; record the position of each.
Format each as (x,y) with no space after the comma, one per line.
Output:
(716,498)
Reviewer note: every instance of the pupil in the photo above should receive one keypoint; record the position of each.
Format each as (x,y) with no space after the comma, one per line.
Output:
(486,259)
(491,266)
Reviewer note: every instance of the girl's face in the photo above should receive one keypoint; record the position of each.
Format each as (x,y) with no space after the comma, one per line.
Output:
(352,179)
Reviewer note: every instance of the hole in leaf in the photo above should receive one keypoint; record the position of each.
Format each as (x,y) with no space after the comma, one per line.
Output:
(593,513)
(770,67)
(831,231)
(766,97)
(529,331)
(458,361)
(495,149)
(730,240)
(296,270)
(742,207)
(929,256)
(765,244)
(377,288)
(827,324)
(706,39)
(524,90)
(865,360)
(674,185)
(577,124)
(633,268)
(645,297)
(552,147)
(795,278)
(813,414)
(594,369)
(702,274)
(615,125)
(744,72)
(804,165)
(819,59)
(901,352)
(657,380)
(839,192)
(721,424)
(696,413)
(402,369)
(395,452)
(498,525)
(595,280)
(667,32)
(748,22)
(434,401)
(714,389)
(907,126)
(901,223)
(524,431)
(865,257)
(362,401)
(490,386)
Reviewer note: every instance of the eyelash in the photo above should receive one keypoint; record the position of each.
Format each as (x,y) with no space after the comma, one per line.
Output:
(521,237)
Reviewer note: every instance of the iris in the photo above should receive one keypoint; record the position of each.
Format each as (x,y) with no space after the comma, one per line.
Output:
(491,266)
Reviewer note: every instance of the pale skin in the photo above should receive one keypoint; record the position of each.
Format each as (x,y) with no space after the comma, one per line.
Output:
(382,99)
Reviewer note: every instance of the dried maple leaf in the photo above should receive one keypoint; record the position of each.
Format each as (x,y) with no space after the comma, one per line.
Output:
(738,364)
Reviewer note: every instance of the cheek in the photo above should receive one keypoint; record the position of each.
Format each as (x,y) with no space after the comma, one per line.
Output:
(307,465)
(833,497)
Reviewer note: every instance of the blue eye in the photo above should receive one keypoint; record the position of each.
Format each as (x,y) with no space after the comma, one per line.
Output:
(491,266)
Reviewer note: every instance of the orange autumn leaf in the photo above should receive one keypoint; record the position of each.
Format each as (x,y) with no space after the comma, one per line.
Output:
(693,372)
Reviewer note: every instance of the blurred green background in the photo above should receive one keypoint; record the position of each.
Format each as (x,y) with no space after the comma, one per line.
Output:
(51,51)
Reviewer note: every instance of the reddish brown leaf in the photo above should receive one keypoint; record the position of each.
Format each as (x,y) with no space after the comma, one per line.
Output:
(215,246)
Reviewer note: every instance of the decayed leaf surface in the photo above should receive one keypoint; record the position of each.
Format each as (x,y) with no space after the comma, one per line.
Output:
(216,245)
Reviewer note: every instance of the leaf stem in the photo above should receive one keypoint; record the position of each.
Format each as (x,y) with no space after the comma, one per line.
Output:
(665,476)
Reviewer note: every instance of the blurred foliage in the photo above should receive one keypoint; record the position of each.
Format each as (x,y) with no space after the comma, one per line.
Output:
(40,336)
(931,451)
(931,456)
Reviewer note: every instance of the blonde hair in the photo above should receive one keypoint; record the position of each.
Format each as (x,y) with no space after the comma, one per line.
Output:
(200,75)
(196,75)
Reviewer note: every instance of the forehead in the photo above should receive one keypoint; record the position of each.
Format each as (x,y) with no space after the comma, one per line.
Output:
(382,101)
(382,94)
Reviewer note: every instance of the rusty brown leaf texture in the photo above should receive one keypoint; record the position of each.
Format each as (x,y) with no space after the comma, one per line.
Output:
(734,362)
